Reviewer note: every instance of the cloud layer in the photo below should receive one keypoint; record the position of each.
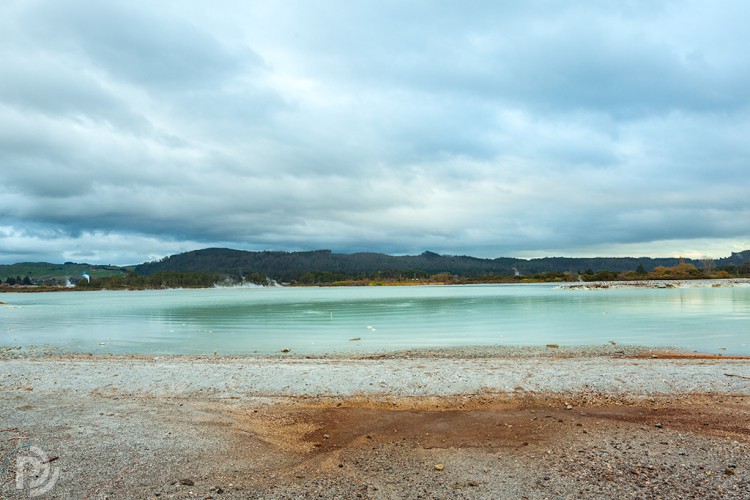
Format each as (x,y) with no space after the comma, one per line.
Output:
(132,130)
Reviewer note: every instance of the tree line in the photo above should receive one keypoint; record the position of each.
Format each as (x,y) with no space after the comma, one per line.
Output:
(175,279)
(169,279)
(25,281)
(211,267)
(324,266)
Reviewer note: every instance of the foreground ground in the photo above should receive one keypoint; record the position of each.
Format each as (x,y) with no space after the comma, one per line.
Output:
(619,424)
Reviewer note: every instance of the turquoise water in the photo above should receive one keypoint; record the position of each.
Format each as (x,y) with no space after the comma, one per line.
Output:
(324,320)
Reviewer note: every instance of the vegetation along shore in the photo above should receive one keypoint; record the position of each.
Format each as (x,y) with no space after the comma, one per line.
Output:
(225,267)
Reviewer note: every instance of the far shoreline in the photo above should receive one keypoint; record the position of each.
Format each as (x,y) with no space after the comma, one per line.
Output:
(565,285)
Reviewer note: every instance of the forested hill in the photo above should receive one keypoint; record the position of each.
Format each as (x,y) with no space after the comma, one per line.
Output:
(291,266)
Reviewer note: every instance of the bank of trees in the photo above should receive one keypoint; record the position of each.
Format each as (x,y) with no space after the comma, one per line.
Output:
(210,267)
(312,266)
(324,266)
(25,281)
(134,281)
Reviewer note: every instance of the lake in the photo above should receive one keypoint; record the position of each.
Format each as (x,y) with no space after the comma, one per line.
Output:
(325,320)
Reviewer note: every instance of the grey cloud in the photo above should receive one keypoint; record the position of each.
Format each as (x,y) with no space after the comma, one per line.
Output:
(139,44)
(44,85)
(489,129)
(621,59)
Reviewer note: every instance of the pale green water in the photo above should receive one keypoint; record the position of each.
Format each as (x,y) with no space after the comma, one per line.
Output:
(323,320)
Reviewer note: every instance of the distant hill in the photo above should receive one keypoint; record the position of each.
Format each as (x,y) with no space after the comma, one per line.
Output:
(291,266)
(288,266)
(736,259)
(45,271)
(296,266)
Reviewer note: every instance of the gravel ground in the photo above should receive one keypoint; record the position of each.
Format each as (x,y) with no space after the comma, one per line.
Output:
(712,283)
(467,423)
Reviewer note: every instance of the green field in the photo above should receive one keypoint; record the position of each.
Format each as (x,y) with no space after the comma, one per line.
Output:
(61,272)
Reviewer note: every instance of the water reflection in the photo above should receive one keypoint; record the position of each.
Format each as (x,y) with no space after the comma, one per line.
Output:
(317,320)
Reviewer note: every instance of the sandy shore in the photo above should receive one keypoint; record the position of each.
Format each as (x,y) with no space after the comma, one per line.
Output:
(467,423)
(701,283)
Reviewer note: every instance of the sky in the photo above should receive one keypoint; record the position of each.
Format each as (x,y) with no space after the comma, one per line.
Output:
(132,130)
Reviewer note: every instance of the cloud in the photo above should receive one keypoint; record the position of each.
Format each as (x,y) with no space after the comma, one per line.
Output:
(498,130)
(138,44)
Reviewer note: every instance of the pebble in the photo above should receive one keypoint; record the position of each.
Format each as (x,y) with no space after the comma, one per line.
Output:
(439,466)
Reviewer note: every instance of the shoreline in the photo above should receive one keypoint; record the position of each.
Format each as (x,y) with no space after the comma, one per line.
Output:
(625,371)
(470,352)
(514,422)
(649,283)
(467,352)
(639,283)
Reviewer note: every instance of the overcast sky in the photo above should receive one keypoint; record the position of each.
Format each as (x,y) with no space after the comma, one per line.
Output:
(137,129)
